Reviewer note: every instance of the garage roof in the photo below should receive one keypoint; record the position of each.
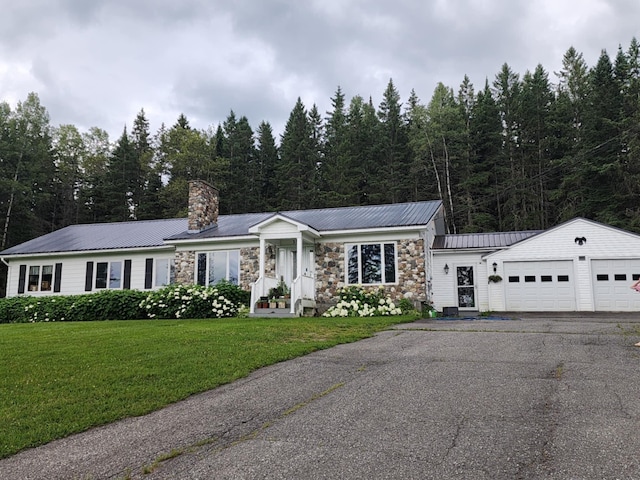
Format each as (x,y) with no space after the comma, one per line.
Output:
(481,240)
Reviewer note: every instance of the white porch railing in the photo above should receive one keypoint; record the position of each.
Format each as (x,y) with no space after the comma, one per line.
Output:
(302,288)
(260,288)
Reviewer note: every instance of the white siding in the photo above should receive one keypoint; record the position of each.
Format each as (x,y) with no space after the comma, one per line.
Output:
(559,244)
(74,269)
(445,285)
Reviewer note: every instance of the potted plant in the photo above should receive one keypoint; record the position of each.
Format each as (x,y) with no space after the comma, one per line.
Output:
(495,278)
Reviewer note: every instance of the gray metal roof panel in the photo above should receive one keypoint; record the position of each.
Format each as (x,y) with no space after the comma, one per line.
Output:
(153,233)
(102,236)
(326,219)
(481,240)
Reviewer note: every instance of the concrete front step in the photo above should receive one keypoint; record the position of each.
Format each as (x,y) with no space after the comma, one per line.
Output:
(273,312)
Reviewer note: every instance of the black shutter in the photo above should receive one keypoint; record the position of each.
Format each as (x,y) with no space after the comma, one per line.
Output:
(148,273)
(57,277)
(22,278)
(88,282)
(127,275)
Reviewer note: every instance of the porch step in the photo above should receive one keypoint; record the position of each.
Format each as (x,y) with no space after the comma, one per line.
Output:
(273,312)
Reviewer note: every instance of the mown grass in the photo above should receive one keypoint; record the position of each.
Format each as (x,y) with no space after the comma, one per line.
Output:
(62,378)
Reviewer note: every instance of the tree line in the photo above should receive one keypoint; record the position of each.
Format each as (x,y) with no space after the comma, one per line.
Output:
(519,153)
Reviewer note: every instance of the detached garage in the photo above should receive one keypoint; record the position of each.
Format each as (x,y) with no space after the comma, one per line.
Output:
(580,265)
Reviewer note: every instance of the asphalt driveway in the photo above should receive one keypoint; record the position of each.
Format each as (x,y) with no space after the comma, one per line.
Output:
(536,397)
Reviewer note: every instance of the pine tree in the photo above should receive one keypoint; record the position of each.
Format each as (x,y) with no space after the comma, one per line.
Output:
(266,161)
(295,169)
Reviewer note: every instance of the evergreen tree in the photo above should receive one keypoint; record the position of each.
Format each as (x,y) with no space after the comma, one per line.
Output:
(392,163)
(266,160)
(295,170)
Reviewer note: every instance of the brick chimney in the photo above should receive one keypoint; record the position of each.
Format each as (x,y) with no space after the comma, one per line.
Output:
(203,206)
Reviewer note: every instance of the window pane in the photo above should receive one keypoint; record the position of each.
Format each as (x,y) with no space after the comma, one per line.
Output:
(101,274)
(47,278)
(602,277)
(352,258)
(201,274)
(465,276)
(217,267)
(514,279)
(234,267)
(115,275)
(563,278)
(466,297)
(546,278)
(530,278)
(371,259)
(162,272)
(34,278)
(617,276)
(389,262)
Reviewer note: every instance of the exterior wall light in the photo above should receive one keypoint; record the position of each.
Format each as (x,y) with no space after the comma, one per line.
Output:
(495,267)
(446,269)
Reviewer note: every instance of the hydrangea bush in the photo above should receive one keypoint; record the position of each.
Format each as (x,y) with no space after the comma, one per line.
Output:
(192,301)
(355,301)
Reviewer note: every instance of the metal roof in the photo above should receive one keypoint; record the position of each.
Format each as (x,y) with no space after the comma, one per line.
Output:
(481,240)
(327,219)
(102,236)
(156,233)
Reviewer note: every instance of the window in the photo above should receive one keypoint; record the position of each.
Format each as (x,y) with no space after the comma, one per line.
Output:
(563,278)
(620,276)
(165,272)
(212,267)
(514,279)
(40,278)
(602,277)
(101,274)
(112,275)
(546,278)
(529,278)
(371,263)
(115,276)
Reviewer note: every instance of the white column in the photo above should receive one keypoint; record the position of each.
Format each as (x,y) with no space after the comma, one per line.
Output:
(262,255)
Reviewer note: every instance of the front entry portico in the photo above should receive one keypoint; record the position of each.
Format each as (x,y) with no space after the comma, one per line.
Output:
(286,255)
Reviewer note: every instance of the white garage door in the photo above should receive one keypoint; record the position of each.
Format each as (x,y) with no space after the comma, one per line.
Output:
(540,286)
(611,282)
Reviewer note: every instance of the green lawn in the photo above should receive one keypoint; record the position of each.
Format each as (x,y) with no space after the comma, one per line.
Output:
(61,378)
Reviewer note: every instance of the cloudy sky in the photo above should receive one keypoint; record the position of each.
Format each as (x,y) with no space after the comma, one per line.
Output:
(98,62)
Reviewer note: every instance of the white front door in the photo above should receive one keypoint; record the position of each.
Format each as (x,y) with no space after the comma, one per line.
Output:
(286,264)
(465,287)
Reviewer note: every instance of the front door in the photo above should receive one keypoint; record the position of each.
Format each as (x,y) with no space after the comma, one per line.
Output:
(286,265)
(465,285)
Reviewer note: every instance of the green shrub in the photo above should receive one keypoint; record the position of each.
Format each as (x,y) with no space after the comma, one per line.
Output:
(105,305)
(355,301)
(193,301)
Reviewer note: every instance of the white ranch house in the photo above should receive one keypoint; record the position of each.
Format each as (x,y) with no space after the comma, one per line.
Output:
(580,265)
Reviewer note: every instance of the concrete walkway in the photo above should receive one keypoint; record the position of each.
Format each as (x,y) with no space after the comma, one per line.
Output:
(536,397)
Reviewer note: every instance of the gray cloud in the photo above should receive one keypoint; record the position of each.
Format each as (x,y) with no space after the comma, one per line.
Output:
(98,63)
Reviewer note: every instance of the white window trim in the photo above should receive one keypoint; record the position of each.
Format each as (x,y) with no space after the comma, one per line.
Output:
(108,284)
(38,285)
(347,247)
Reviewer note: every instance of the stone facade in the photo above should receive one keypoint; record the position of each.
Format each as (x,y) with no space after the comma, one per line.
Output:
(185,263)
(411,281)
(203,205)
(185,266)
(330,270)
(249,266)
